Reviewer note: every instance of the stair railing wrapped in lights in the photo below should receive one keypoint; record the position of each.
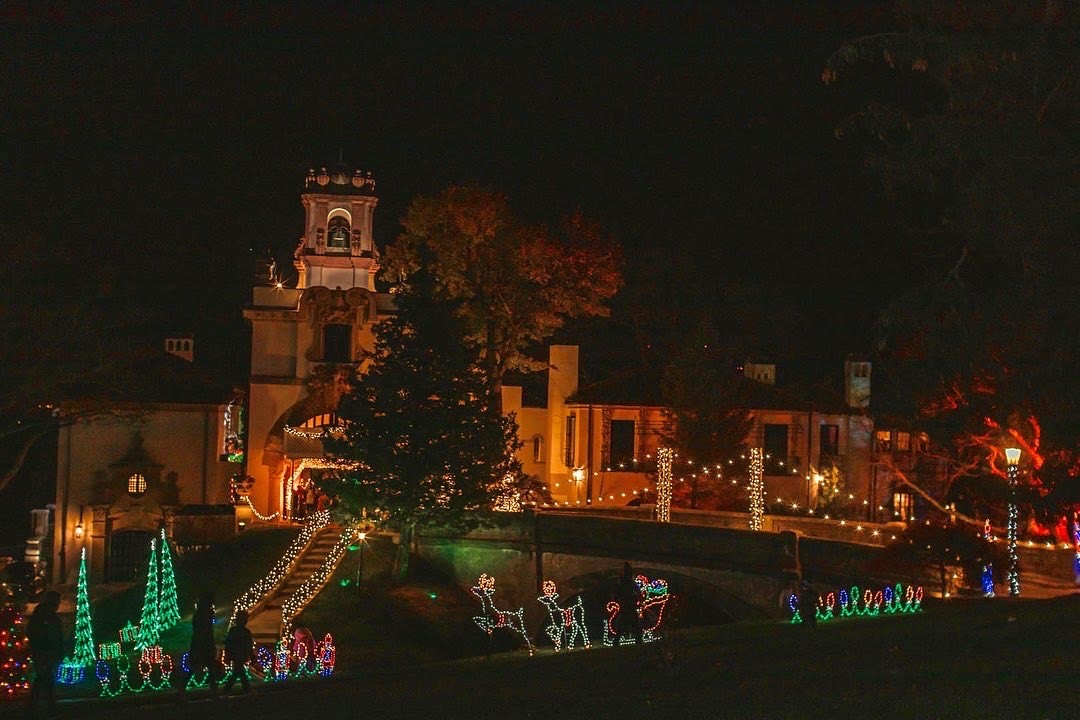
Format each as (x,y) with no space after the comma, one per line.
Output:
(315,582)
(281,568)
(888,600)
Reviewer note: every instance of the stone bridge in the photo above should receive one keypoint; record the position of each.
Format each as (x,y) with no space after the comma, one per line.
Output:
(719,572)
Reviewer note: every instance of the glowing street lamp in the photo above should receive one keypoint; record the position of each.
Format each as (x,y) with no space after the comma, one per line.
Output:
(1012,458)
(360,564)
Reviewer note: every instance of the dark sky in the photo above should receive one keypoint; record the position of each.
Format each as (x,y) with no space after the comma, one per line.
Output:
(162,148)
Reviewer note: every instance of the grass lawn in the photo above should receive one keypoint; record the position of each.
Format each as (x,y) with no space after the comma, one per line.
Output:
(411,651)
(225,569)
(962,659)
(392,624)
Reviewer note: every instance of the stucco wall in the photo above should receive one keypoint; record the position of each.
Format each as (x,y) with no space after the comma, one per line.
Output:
(184,440)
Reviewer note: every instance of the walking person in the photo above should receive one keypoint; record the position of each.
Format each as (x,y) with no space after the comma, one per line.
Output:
(628,595)
(202,651)
(46,634)
(807,604)
(299,494)
(239,648)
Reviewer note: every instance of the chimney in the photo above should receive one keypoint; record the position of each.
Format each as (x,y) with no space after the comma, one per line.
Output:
(857,384)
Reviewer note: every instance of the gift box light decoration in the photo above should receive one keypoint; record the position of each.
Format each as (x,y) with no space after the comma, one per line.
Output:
(652,599)
(888,600)
(493,618)
(129,633)
(69,672)
(567,623)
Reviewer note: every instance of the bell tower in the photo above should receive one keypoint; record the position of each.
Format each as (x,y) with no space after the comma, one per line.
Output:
(337,250)
(305,339)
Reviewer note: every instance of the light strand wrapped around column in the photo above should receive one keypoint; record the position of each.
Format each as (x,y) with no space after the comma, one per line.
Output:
(757,489)
(664,463)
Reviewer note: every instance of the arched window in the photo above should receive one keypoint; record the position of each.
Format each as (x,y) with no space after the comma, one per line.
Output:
(136,485)
(324,420)
(538,448)
(337,233)
(337,341)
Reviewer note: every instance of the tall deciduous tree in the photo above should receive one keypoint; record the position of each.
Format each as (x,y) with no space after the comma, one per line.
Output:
(975,138)
(706,419)
(428,444)
(512,284)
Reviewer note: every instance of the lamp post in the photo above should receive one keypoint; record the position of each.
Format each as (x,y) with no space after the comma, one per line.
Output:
(1012,457)
(360,564)
(578,476)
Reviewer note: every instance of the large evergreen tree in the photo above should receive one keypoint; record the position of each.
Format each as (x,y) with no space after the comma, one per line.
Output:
(428,443)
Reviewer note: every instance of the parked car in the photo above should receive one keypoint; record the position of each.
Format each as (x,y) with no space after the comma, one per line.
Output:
(22,581)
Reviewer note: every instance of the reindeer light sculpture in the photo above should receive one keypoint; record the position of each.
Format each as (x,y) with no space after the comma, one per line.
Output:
(567,623)
(493,618)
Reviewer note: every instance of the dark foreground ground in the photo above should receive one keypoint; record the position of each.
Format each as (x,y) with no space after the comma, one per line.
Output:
(974,659)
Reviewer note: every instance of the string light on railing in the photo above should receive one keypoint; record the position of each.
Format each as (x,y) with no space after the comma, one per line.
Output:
(256,513)
(315,582)
(281,568)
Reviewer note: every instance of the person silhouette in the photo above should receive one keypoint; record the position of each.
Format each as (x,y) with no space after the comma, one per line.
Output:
(202,651)
(239,646)
(46,634)
(628,593)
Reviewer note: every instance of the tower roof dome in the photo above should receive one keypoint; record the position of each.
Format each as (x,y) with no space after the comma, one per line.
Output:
(339,179)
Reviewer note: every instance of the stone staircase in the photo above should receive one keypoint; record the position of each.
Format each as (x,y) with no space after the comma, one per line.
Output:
(265,618)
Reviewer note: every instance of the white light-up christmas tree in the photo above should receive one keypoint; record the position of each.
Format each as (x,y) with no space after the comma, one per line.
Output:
(149,624)
(84,634)
(168,611)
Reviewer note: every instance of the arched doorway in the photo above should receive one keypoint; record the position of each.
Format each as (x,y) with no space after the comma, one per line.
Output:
(129,551)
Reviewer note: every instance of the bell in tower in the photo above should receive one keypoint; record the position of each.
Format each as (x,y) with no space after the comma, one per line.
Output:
(337,249)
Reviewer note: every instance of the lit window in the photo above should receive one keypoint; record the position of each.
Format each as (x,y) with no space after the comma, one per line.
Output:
(884,440)
(136,485)
(568,443)
(903,441)
(538,449)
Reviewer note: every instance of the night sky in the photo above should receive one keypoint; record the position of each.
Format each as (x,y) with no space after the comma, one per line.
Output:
(164,149)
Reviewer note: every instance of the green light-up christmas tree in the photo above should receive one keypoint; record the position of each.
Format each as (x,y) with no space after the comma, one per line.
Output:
(168,611)
(84,634)
(149,622)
